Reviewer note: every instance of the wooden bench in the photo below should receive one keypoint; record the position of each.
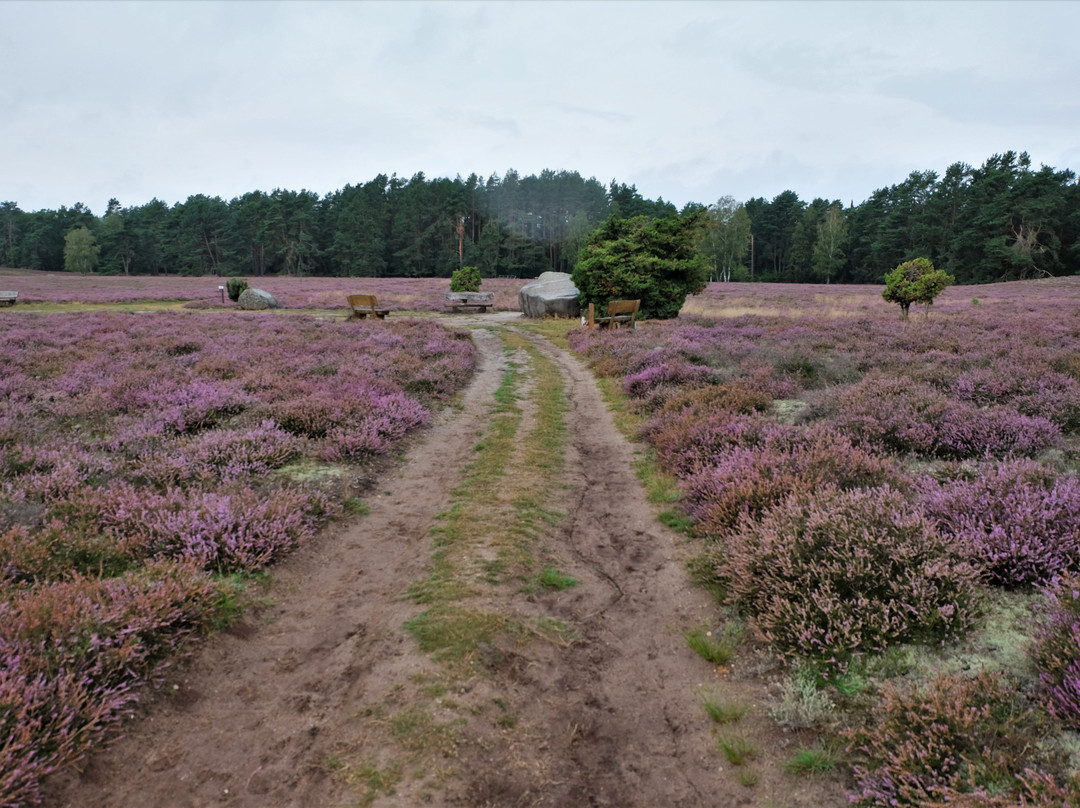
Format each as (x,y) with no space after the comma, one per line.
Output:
(8,298)
(621,314)
(475,300)
(364,306)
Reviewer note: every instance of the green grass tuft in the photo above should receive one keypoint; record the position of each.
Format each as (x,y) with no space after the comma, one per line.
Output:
(722,711)
(354,506)
(234,596)
(748,778)
(815,760)
(717,650)
(551,578)
(737,749)
(676,520)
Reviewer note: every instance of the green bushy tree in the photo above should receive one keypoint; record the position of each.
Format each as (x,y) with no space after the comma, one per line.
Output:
(466,279)
(652,260)
(915,281)
(234,287)
(80,251)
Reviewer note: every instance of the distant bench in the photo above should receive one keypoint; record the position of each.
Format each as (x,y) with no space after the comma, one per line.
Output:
(364,306)
(621,314)
(475,300)
(8,298)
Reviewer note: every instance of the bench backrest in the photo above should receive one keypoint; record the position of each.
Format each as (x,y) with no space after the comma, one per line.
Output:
(623,307)
(362,302)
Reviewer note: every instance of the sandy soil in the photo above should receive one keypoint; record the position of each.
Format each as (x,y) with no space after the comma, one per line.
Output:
(301,703)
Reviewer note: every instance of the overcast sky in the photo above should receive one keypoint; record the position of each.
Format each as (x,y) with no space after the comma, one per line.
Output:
(688,101)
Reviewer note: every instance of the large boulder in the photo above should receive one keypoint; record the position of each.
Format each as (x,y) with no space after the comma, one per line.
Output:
(553,294)
(257,299)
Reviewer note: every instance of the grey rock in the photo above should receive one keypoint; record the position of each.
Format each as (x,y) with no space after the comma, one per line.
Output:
(553,294)
(256,300)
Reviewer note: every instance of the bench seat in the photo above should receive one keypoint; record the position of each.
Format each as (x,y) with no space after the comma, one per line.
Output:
(621,314)
(364,306)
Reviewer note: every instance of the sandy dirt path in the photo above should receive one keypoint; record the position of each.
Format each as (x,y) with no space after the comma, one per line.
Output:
(304,701)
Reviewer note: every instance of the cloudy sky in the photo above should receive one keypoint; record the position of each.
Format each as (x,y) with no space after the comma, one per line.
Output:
(688,101)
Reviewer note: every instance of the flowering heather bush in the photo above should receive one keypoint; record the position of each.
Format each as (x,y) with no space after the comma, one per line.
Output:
(198,404)
(48,723)
(951,737)
(1037,790)
(241,530)
(663,369)
(690,442)
(1020,522)
(611,353)
(900,416)
(1056,651)
(699,351)
(695,425)
(219,454)
(47,472)
(736,396)
(757,471)
(831,575)
(110,628)
(967,431)
(71,654)
(58,548)
(1027,384)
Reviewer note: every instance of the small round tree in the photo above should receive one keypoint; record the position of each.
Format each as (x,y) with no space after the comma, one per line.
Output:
(234,287)
(466,279)
(915,281)
(655,261)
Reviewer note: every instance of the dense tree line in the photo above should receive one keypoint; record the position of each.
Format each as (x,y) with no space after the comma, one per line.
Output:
(513,225)
(1003,220)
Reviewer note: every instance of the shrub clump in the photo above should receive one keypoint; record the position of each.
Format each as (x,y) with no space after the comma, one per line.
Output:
(748,477)
(835,574)
(72,654)
(234,287)
(655,261)
(466,279)
(219,454)
(225,532)
(897,415)
(664,373)
(953,736)
(1056,651)
(1020,523)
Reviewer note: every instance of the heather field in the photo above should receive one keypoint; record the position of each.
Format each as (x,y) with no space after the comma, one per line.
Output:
(892,507)
(149,466)
(399,294)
